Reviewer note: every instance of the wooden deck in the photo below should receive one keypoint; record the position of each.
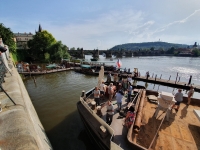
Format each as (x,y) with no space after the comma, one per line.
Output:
(182,131)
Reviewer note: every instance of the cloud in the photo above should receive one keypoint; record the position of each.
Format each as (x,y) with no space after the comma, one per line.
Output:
(176,22)
(92,33)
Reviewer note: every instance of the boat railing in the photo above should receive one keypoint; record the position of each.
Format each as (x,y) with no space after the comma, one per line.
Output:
(134,99)
(113,146)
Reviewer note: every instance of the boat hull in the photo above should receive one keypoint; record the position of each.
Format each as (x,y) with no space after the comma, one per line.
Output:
(91,124)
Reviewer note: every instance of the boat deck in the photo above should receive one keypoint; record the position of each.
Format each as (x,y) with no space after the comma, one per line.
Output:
(120,131)
(182,131)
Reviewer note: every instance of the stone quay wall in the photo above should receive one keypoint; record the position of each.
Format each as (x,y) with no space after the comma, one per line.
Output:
(20,127)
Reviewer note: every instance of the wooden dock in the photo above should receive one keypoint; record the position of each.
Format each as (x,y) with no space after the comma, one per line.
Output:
(170,83)
(45,71)
(165,82)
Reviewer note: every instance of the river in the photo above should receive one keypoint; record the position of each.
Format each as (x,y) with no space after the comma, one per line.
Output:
(54,96)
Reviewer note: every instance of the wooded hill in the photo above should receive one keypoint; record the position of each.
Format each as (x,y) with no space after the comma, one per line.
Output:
(149,45)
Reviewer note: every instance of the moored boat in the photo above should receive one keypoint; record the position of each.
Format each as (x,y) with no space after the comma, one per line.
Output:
(148,131)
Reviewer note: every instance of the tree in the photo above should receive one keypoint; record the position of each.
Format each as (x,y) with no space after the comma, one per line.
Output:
(196,52)
(40,44)
(8,37)
(152,48)
(58,51)
(73,48)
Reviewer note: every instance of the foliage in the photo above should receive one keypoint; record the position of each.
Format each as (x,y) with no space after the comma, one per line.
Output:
(170,51)
(58,51)
(148,45)
(73,48)
(47,57)
(40,44)
(8,37)
(196,52)
(14,57)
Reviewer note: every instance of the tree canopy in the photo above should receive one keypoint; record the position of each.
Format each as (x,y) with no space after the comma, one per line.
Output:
(44,46)
(8,37)
(40,44)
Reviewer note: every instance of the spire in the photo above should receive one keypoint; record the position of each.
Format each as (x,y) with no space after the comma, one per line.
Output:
(40,28)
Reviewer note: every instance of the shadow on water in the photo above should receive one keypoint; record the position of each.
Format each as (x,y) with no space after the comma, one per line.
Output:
(70,134)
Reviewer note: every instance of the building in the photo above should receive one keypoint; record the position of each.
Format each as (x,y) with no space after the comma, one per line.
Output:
(22,39)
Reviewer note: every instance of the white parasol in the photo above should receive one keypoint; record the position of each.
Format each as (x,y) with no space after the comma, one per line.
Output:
(101,76)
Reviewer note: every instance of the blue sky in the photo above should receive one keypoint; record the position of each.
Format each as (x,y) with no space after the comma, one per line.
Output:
(91,24)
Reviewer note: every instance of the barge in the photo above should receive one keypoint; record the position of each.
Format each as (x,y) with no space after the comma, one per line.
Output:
(181,130)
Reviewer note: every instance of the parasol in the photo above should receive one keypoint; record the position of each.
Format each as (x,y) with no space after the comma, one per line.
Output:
(101,76)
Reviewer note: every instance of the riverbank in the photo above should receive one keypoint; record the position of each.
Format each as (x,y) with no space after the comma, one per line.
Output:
(20,127)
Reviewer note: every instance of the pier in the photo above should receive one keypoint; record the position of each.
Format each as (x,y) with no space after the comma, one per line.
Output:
(155,80)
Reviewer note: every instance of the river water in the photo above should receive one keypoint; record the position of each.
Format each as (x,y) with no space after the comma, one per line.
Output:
(54,96)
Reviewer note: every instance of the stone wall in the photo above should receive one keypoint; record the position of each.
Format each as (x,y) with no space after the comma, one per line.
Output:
(20,127)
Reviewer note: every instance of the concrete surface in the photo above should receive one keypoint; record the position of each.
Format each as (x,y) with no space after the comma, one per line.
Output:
(20,127)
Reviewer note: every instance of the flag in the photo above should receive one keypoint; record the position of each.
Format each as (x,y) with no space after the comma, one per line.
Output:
(119,63)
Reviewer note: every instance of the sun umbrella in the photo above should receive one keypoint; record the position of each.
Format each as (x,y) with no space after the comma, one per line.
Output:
(101,76)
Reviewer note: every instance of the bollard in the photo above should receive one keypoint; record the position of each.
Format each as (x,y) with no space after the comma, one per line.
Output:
(176,77)
(169,77)
(83,93)
(190,80)
(34,79)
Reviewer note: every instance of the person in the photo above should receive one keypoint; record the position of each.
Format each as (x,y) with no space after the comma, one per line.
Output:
(110,113)
(115,78)
(179,99)
(109,77)
(130,117)
(147,74)
(119,95)
(125,84)
(97,96)
(130,88)
(190,94)
(120,78)
(129,79)
(102,89)
(110,91)
(129,70)
(124,70)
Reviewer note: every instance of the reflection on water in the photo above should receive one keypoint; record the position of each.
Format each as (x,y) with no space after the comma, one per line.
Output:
(54,96)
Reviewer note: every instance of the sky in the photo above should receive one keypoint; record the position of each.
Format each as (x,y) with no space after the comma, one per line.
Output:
(102,24)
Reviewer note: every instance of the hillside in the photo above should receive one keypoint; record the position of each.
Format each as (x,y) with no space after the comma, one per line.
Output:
(148,45)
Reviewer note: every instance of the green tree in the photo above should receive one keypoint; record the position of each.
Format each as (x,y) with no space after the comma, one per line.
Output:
(196,52)
(8,37)
(73,48)
(58,51)
(152,48)
(40,44)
